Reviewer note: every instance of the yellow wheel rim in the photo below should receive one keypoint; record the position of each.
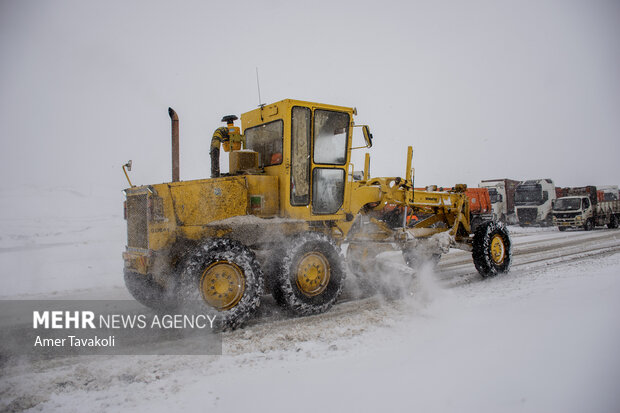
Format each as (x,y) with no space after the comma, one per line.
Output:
(313,274)
(498,249)
(222,285)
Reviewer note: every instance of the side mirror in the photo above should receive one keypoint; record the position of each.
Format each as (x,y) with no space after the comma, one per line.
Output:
(367,136)
(128,165)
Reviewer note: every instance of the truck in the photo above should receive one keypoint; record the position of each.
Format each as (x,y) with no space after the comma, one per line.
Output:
(279,220)
(608,193)
(534,202)
(502,194)
(480,207)
(580,207)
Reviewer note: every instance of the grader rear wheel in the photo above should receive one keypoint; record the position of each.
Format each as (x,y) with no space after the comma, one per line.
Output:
(222,285)
(223,276)
(309,275)
(147,292)
(492,249)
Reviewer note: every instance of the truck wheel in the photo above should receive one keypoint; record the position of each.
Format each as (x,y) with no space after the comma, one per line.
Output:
(310,274)
(491,249)
(613,222)
(147,292)
(588,225)
(224,276)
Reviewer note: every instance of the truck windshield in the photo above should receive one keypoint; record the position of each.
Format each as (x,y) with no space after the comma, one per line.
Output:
(267,141)
(567,204)
(494,195)
(529,195)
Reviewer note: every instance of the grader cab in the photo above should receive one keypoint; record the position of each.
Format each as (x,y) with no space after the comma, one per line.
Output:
(278,220)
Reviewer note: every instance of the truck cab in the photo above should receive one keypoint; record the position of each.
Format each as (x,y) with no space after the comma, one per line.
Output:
(534,202)
(572,212)
(497,195)
(502,194)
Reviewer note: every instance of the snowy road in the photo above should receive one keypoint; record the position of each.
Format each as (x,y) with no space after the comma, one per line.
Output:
(542,338)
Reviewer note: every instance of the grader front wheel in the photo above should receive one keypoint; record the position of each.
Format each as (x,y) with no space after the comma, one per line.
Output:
(309,275)
(492,249)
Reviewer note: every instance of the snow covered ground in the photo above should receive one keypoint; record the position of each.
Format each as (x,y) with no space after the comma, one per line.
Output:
(542,338)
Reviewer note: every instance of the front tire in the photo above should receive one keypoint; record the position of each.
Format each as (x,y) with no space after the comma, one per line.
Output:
(588,225)
(492,249)
(613,222)
(310,274)
(223,276)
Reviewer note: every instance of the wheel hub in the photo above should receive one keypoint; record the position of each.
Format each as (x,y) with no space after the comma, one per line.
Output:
(222,285)
(498,249)
(313,273)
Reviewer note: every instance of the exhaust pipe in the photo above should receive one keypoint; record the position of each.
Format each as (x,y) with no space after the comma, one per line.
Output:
(175,144)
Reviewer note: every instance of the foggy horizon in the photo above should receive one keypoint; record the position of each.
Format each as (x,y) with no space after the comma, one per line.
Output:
(482,90)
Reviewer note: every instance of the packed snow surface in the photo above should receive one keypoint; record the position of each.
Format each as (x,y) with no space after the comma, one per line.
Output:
(542,338)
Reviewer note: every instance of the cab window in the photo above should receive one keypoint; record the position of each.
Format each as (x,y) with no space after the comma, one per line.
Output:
(267,141)
(327,190)
(586,203)
(300,154)
(331,130)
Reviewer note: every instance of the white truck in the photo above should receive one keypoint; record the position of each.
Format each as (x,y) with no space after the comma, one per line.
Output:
(581,208)
(608,193)
(534,202)
(502,194)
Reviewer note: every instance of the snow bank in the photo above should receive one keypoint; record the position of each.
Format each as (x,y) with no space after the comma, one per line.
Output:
(60,239)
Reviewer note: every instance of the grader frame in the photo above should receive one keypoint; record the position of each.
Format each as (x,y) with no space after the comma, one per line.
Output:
(278,219)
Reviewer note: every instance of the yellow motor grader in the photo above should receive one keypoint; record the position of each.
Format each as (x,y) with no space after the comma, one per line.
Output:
(278,220)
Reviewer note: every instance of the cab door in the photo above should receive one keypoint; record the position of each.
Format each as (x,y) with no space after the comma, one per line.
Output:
(319,152)
(329,160)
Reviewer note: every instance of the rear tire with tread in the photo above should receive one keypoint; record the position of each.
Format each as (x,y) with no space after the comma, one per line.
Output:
(236,255)
(313,255)
(148,293)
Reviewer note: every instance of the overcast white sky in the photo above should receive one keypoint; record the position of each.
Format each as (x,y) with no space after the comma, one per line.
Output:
(481,89)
